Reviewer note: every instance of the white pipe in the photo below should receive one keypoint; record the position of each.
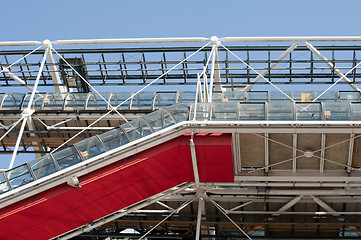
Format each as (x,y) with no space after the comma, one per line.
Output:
(292,39)
(16,78)
(130,40)
(19,43)
(18,142)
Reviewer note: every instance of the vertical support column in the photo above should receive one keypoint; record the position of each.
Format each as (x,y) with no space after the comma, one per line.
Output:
(350,152)
(199,215)
(322,157)
(266,152)
(54,70)
(194,162)
(294,153)
(215,43)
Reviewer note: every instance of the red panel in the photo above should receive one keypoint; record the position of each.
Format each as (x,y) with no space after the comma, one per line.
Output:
(116,186)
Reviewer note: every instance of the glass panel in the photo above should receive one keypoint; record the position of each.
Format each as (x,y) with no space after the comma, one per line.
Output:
(19,176)
(224,111)
(277,95)
(43,166)
(143,100)
(308,111)
(113,138)
(327,96)
(179,111)
(356,111)
(164,99)
(66,158)
(75,101)
(38,101)
(229,97)
(202,113)
(54,101)
(303,96)
(136,129)
(159,120)
(12,101)
(251,111)
(4,186)
(339,111)
(187,97)
(257,96)
(121,97)
(350,96)
(90,147)
(280,110)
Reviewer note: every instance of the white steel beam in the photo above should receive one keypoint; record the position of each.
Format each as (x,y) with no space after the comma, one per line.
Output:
(288,205)
(19,43)
(266,152)
(54,70)
(16,78)
(130,40)
(194,162)
(350,152)
(236,150)
(199,215)
(294,152)
(292,39)
(330,65)
(322,153)
(262,74)
(28,111)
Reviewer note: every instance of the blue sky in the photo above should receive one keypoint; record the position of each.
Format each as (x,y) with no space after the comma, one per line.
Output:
(71,19)
(75,19)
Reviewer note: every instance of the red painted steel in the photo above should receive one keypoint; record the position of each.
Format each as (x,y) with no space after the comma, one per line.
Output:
(116,186)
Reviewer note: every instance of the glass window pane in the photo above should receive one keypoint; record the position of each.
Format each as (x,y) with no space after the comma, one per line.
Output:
(143,100)
(336,111)
(113,138)
(308,111)
(159,120)
(252,111)
(356,111)
(179,111)
(224,111)
(136,129)
(4,186)
(186,97)
(19,176)
(257,96)
(202,113)
(350,96)
(43,166)
(90,147)
(280,110)
(66,157)
(164,99)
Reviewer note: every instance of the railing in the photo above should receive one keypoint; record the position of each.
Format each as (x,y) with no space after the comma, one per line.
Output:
(163,118)
(156,100)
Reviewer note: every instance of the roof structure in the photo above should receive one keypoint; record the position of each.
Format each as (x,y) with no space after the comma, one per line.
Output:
(265,130)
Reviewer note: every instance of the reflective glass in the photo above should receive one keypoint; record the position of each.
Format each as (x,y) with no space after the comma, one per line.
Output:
(90,147)
(12,101)
(356,111)
(251,111)
(308,111)
(303,96)
(202,113)
(113,138)
(66,157)
(162,100)
(277,95)
(159,120)
(179,111)
(43,166)
(339,111)
(224,111)
(187,97)
(19,176)
(54,101)
(257,96)
(327,96)
(143,100)
(136,129)
(280,110)
(121,97)
(75,101)
(350,96)
(4,186)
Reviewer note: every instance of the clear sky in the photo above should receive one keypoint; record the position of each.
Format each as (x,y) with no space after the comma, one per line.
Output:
(80,19)
(73,19)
